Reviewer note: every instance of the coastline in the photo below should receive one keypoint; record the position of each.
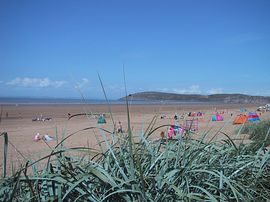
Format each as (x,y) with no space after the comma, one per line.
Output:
(4,101)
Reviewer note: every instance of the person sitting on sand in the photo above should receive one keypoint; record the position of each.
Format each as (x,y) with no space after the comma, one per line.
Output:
(162,134)
(47,138)
(37,137)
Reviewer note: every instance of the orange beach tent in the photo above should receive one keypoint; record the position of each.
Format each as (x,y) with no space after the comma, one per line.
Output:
(240,119)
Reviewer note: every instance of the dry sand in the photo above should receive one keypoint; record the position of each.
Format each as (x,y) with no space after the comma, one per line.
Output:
(21,129)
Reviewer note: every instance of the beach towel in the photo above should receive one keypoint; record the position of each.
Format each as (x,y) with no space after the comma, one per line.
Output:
(48,138)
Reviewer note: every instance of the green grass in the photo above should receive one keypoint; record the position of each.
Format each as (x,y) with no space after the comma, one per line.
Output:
(164,170)
(258,132)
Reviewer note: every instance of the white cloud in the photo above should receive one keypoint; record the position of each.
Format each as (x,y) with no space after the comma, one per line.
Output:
(115,87)
(35,82)
(259,93)
(194,89)
(82,83)
(163,89)
(215,91)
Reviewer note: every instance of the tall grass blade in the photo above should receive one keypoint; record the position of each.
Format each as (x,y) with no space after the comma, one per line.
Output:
(108,103)
(130,142)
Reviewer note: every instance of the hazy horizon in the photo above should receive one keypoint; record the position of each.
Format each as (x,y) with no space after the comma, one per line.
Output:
(102,99)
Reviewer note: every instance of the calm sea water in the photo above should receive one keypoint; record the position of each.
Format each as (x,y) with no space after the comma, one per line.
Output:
(29,101)
(48,101)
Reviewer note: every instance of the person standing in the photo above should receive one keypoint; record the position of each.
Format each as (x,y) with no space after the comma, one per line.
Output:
(119,127)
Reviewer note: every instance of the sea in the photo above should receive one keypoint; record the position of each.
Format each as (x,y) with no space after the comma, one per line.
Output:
(75,101)
(49,101)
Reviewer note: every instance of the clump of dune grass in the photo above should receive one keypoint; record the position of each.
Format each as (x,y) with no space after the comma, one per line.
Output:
(162,170)
(258,132)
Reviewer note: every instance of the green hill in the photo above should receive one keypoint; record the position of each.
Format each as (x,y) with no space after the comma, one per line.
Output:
(222,98)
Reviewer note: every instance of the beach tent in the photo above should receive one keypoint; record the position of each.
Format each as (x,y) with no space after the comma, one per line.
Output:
(242,110)
(101,120)
(199,114)
(240,119)
(252,117)
(217,117)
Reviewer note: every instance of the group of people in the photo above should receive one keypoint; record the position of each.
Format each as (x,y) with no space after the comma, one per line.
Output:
(173,131)
(46,138)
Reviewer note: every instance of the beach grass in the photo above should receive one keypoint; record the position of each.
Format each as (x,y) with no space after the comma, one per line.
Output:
(180,169)
(258,132)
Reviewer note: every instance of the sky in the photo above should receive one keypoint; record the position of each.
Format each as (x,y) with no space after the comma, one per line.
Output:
(57,48)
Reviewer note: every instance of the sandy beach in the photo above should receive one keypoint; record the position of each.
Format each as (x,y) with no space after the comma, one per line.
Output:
(17,122)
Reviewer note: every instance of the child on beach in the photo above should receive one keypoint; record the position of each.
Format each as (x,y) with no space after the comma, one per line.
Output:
(119,127)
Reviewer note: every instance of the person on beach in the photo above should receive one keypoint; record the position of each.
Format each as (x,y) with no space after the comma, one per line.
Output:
(170,133)
(119,127)
(162,134)
(37,137)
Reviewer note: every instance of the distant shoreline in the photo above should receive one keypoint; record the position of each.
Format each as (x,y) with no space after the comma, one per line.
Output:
(145,98)
(70,102)
(198,98)
(183,104)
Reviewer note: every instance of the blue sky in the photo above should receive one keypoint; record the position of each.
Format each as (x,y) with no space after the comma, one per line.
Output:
(57,48)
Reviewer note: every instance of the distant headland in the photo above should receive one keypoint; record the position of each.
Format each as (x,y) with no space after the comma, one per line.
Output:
(218,98)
